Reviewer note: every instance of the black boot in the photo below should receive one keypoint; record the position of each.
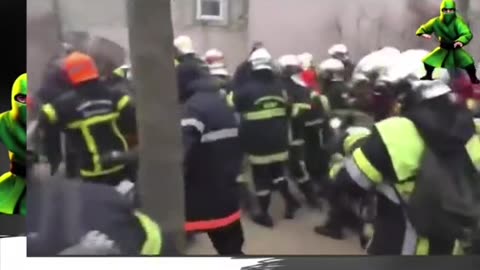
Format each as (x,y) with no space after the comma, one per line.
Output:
(330,231)
(333,229)
(472,73)
(291,208)
(245,196)
(308,191)
(429,75)
(291,204)
(263,218)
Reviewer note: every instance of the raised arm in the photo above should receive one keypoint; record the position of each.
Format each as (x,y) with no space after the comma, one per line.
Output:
(426,28)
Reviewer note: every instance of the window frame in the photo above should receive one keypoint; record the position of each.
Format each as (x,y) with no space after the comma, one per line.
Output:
(220,18)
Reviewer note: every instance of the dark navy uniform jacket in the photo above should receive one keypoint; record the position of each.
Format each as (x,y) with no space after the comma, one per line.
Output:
(212,155)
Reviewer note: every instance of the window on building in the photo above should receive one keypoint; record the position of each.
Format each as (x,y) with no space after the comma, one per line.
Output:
(211,10)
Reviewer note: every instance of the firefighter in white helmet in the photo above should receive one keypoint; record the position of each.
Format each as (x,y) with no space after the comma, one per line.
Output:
(316,157)
(332,77)
(262,103)
(340,52)
(215,60)
(300,102)
(188,63)
(242,72)
(309,74)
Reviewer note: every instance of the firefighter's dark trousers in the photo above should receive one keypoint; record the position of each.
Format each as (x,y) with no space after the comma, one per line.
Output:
(228,241)
(269,177)
(316,156)
(298,170)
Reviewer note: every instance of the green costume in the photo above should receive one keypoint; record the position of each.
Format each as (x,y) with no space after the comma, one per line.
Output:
(13,136)
(449,28)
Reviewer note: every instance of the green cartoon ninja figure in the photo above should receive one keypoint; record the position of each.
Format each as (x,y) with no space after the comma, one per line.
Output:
(13,136)
(453,34)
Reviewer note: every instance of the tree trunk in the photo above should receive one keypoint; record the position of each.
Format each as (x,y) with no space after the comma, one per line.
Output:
(43,43)
(160,178)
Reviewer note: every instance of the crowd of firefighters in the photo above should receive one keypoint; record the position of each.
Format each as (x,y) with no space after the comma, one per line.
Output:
(278,117)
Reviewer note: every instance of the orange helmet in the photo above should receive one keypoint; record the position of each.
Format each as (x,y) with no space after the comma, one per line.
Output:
(79,68)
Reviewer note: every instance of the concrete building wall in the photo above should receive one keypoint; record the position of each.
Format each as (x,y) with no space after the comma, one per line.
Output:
(230,36)
(293,26)
(285,26)
(107,18)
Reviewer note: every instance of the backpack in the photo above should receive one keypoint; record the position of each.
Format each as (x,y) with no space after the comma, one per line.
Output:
(445,203)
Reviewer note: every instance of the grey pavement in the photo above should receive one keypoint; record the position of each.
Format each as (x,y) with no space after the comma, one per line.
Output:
(288,237)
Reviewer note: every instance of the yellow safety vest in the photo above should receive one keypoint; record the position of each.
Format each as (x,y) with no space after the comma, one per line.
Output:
(350,143)
(477,125)
(405,148)
(153,235)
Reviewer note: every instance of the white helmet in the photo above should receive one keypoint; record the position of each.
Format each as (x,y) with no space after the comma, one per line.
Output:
(184,44)
(431,89)
(376,64)
(410,62)
(332,69)
(289,60)
(306,60)
(214,55)
(261,59)
(218,69)
(408,66)
(215,61)
(339,51)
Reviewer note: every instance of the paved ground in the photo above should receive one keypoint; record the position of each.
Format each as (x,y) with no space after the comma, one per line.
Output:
(288,237)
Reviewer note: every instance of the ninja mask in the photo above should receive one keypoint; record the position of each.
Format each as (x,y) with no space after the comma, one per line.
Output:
(19,98)
(448,11)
